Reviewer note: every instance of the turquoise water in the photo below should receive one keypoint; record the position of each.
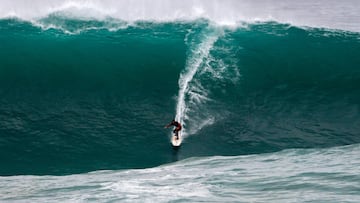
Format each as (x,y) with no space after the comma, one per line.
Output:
(88,95)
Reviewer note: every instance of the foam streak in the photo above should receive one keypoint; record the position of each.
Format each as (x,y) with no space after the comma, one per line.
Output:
(196,58)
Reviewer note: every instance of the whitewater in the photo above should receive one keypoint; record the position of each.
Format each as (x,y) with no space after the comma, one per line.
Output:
(324,13)
(268,94)
(296,175)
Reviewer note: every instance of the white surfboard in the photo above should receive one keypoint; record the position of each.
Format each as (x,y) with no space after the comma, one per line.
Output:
(176,142)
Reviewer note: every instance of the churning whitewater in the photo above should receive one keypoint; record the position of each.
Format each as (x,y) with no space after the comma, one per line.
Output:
(330,175)
(268,94)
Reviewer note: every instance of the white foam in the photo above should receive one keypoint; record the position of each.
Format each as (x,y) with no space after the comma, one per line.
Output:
(197,55)
(323,174)
(203,74)
(332,14)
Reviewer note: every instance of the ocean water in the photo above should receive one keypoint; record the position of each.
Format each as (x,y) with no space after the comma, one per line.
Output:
(268,94)
(293,175)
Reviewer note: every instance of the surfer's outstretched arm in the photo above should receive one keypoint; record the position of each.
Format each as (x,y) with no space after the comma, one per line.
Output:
(173,123)
(170,124)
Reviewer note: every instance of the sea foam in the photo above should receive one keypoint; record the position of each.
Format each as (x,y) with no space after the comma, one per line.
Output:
(322,174)
(331,14)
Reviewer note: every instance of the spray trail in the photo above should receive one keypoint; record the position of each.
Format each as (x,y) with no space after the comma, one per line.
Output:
(198,53)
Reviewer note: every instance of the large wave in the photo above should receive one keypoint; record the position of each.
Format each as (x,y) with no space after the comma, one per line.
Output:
(99,99)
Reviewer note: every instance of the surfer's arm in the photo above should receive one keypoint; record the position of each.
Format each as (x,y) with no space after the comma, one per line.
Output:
(167,125)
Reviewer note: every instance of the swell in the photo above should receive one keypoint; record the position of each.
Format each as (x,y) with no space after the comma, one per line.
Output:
(98,99)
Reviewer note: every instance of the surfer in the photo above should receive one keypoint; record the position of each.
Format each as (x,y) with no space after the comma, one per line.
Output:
(177,126)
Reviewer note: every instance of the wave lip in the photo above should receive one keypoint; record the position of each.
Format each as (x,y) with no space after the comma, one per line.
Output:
(331,14)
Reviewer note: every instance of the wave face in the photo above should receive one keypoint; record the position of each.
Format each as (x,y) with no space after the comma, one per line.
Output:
(98,99)
(324,175)
(268,94)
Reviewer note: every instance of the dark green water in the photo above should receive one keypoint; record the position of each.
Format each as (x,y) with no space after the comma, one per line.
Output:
(98,99)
